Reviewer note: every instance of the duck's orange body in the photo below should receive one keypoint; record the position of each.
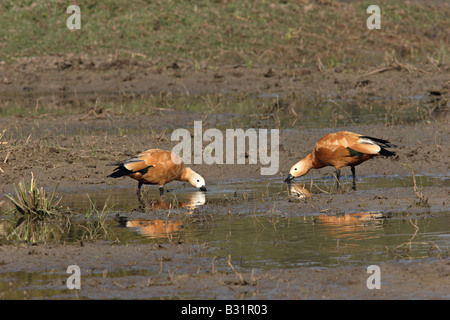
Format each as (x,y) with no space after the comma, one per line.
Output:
(341,149)
(157,167)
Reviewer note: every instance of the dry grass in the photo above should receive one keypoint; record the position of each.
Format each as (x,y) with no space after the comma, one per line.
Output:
(3,143)
(423,201)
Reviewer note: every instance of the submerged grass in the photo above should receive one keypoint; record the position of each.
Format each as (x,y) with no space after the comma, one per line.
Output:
(43,226)
(95,226)
(35,230)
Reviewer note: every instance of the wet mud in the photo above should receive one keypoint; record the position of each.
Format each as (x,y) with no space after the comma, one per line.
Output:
(74,151)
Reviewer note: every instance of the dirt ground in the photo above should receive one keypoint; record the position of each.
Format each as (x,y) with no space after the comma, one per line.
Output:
(52,148)
(83,75)
(176,273)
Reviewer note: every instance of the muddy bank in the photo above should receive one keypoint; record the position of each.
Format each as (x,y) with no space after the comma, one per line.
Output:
(81,74)
(170,272)
(76,153)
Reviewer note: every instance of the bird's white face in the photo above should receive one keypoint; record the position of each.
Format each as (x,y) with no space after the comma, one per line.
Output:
(298,169)
(197,181)
(294,170)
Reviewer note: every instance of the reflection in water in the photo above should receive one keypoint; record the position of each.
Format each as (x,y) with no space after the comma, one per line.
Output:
(34,229)
(347,226)
(158,228)
(196,199)
(351,225)
(298,190)
(360,218)
(189,201)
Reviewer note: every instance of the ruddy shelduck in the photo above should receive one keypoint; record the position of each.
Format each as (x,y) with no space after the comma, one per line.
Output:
(341,149)
(157,167)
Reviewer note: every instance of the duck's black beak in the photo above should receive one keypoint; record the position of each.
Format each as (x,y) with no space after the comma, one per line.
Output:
(203,188)
(289,178)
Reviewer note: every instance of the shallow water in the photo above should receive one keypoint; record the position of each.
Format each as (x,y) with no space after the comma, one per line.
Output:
(258,243)
(269,239)
(325,241)
(237,219)
(226,219)
(241,191)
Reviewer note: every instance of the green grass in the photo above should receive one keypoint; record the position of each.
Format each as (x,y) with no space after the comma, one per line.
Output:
(32,229)
(212,33)
(36,208)
(95,222)
(30,200)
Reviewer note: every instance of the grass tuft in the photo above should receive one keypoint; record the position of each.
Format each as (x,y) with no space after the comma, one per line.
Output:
(95,221)
(33,201)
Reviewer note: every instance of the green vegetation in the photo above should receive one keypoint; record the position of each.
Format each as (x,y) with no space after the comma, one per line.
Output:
(95,227)
(32,229)
(41,218)
(33,201)
(36,209)
(204,34)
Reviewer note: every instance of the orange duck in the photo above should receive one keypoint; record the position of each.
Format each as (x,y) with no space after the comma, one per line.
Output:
(341,149)
(157,167)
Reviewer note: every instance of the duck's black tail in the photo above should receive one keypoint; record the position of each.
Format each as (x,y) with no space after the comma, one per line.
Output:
(387,153)
(120,171)
(383,144)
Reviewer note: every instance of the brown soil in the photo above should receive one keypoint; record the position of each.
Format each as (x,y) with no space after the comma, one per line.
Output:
(83,74)
(174,273)
(55,151)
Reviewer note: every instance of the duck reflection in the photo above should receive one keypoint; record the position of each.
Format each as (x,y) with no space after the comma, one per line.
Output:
(156,228)
(189,201)
(162,228)
(351,225)
(299,191)
(195,200)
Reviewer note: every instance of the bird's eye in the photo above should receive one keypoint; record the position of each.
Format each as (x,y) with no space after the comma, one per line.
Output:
(198,180)
(295,169)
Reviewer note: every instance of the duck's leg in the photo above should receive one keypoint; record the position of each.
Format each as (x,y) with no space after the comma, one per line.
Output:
(354,177)
(338,176)
(138,192)
(161,191)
